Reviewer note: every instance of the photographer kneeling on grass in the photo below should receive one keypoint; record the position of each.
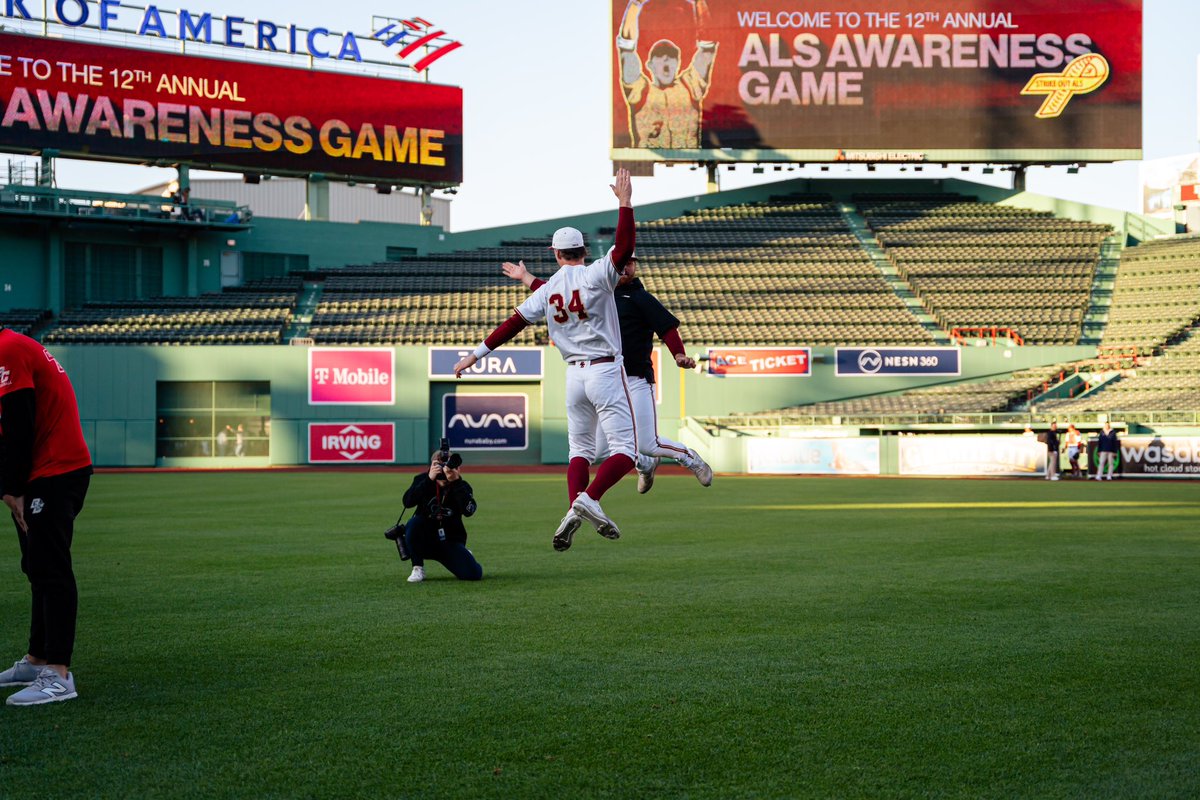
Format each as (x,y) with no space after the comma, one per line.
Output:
(436,532)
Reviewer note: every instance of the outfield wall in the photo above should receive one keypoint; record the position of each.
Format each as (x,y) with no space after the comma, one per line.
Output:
(118,390)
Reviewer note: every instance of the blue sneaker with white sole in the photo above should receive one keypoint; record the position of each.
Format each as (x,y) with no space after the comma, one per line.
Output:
(47,687)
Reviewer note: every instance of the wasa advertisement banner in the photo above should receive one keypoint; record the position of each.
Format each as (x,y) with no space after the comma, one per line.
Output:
(351,443)
(1157,456)
(94,101)
(813,456)
(486,421)
(759,362)
(900,80)
(971,455)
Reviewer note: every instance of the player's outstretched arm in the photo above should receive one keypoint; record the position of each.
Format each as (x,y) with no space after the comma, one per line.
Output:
(631,63)
(505,333)
(623,188)
(675,345)
(518,272)
(706,48)
(623,243)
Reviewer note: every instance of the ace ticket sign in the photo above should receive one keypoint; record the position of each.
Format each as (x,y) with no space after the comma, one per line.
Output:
(758,362)
(898,80)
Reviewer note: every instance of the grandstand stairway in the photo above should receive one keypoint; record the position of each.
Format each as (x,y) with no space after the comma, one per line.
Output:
(306,306)
(1095,319)
(866,238)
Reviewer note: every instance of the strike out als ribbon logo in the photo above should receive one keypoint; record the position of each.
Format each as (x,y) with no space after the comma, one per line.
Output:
(1083,75)
(434,41)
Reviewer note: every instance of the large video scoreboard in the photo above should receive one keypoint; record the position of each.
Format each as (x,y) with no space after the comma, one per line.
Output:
(893,81)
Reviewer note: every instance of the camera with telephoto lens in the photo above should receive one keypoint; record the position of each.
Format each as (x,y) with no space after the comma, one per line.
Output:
(446,459)
(396,534)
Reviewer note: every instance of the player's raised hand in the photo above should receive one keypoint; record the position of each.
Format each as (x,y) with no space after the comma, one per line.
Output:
(685,361)
(465,364)
(515,271)
(623,188)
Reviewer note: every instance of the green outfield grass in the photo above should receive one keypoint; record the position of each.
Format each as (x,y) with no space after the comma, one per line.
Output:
(252,636)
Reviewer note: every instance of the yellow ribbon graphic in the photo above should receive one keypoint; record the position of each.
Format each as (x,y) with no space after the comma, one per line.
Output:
(1083,75)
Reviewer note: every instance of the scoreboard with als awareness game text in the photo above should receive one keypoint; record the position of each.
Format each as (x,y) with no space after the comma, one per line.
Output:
(101,102)
(891,81)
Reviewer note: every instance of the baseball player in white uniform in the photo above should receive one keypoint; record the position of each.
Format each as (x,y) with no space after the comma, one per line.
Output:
(642,316)
(581,315)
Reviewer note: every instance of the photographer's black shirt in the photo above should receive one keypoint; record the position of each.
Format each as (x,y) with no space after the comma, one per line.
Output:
(453,498)
(641,317)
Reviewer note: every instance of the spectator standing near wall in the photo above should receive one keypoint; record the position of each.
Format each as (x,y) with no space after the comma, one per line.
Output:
(1050,437)
(1106,451)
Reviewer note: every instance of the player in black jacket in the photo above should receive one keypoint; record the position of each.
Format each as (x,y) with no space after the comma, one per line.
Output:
(436,532)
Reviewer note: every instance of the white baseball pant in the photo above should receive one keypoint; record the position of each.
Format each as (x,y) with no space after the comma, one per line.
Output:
(645,420)
(598,400)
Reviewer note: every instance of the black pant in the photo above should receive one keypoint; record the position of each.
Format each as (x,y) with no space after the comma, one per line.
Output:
(423,542)
(51,505)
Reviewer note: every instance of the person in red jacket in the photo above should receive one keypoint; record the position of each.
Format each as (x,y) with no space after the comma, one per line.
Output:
(45,469)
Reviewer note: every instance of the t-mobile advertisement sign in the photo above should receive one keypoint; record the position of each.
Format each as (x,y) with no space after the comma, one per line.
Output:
(351,443)
(351,376)
(486,421)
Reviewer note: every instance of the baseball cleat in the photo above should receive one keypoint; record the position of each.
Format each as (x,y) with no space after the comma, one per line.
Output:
(590,510)
(646,478)
(566,530)
(701,470)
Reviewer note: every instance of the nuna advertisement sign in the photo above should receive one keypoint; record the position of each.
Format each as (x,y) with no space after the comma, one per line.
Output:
(486,421)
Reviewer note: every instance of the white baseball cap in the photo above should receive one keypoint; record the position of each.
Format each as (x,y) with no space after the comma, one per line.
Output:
(566,239)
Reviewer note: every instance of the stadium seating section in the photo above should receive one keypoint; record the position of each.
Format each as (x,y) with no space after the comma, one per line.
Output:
(24,320)
(960,398)
(978,264)
(257,313)
(1157,295)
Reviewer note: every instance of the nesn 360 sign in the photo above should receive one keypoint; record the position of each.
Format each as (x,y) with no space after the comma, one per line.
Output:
(203,27)
(878,362)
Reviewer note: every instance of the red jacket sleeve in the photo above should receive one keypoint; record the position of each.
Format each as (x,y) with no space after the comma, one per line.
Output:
(507,330)
(623,245)
(673,342)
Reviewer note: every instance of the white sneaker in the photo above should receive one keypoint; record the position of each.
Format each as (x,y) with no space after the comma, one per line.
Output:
(566,531)
(646,478)
(22,673)
(701,470)
(1109,478)
(590,510)
(48,687)
(1054,478)
(418,575)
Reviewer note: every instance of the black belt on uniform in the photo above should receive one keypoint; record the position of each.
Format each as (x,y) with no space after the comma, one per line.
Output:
(604,360)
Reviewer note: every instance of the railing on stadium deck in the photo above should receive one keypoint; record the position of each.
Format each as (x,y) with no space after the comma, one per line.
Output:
(992,333)
(753,424)
(108,206)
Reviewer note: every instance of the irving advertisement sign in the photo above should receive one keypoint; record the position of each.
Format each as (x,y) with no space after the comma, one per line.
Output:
(937,80)
(116,103)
